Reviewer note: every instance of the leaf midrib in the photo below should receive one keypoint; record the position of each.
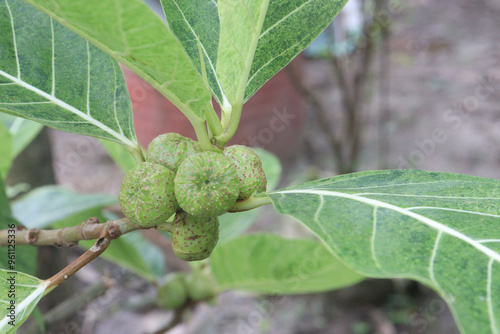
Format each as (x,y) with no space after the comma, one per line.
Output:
(204,50)
(429,222)
(25,303)
(184,107)
(70,108)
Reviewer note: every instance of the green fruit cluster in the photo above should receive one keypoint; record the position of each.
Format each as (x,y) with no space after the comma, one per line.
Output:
(178,288)
(179,178)
(172,292)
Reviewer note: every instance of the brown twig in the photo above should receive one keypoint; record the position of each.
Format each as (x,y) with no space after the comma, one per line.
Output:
(69,236)
(99,247)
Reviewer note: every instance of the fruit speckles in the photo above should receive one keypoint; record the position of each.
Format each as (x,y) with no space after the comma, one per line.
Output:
(249,169)
(147,195)
(171,149)
(178,178)
(206,184)
(193,239)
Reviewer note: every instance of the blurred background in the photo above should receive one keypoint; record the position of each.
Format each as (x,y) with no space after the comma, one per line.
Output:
(389,84)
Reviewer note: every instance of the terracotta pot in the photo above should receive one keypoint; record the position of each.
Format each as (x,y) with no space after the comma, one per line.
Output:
(271,119)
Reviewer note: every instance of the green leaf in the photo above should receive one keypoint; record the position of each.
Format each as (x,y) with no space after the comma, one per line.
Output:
(47,205)
(120,155)
(27,292)
(232,224)
(24,256)
(50,75)
(5,211)
(5,150)
(245,50)
(133,34)
(270,264)
(290,26)
(197,27)
(23,132)
(440,229)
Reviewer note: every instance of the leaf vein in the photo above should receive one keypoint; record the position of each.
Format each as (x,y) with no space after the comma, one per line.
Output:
(491,313)
(71,109)
(427,221)
(433,258)
(15,41)
(284,18)
(372,240)
(53,92)
(449,209)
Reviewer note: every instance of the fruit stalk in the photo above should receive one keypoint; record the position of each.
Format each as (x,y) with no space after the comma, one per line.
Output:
(250,203)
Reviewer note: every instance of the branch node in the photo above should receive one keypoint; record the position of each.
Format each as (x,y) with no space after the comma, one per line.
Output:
(114,230)
(90,221)
(59,241)
(32,235)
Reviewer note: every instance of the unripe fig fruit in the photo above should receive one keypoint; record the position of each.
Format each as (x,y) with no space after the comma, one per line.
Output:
(200,287)
(172,292)
(206,184)
(147,195)
(249,169)
(170,149)
(194,238)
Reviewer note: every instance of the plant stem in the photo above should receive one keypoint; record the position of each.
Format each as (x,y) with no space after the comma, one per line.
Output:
(213,121)
(137,153)
(69,236)
(251,203)
(99,247)
(201,133)
(231,128)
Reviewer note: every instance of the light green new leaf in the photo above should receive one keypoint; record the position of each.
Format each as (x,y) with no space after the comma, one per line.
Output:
(440,229)
(47,205)
(27,291)
(245,50)
(5,150)
(270,264)
(23,131)
(133,34)
(50,75)
(240,28)
(290,26)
